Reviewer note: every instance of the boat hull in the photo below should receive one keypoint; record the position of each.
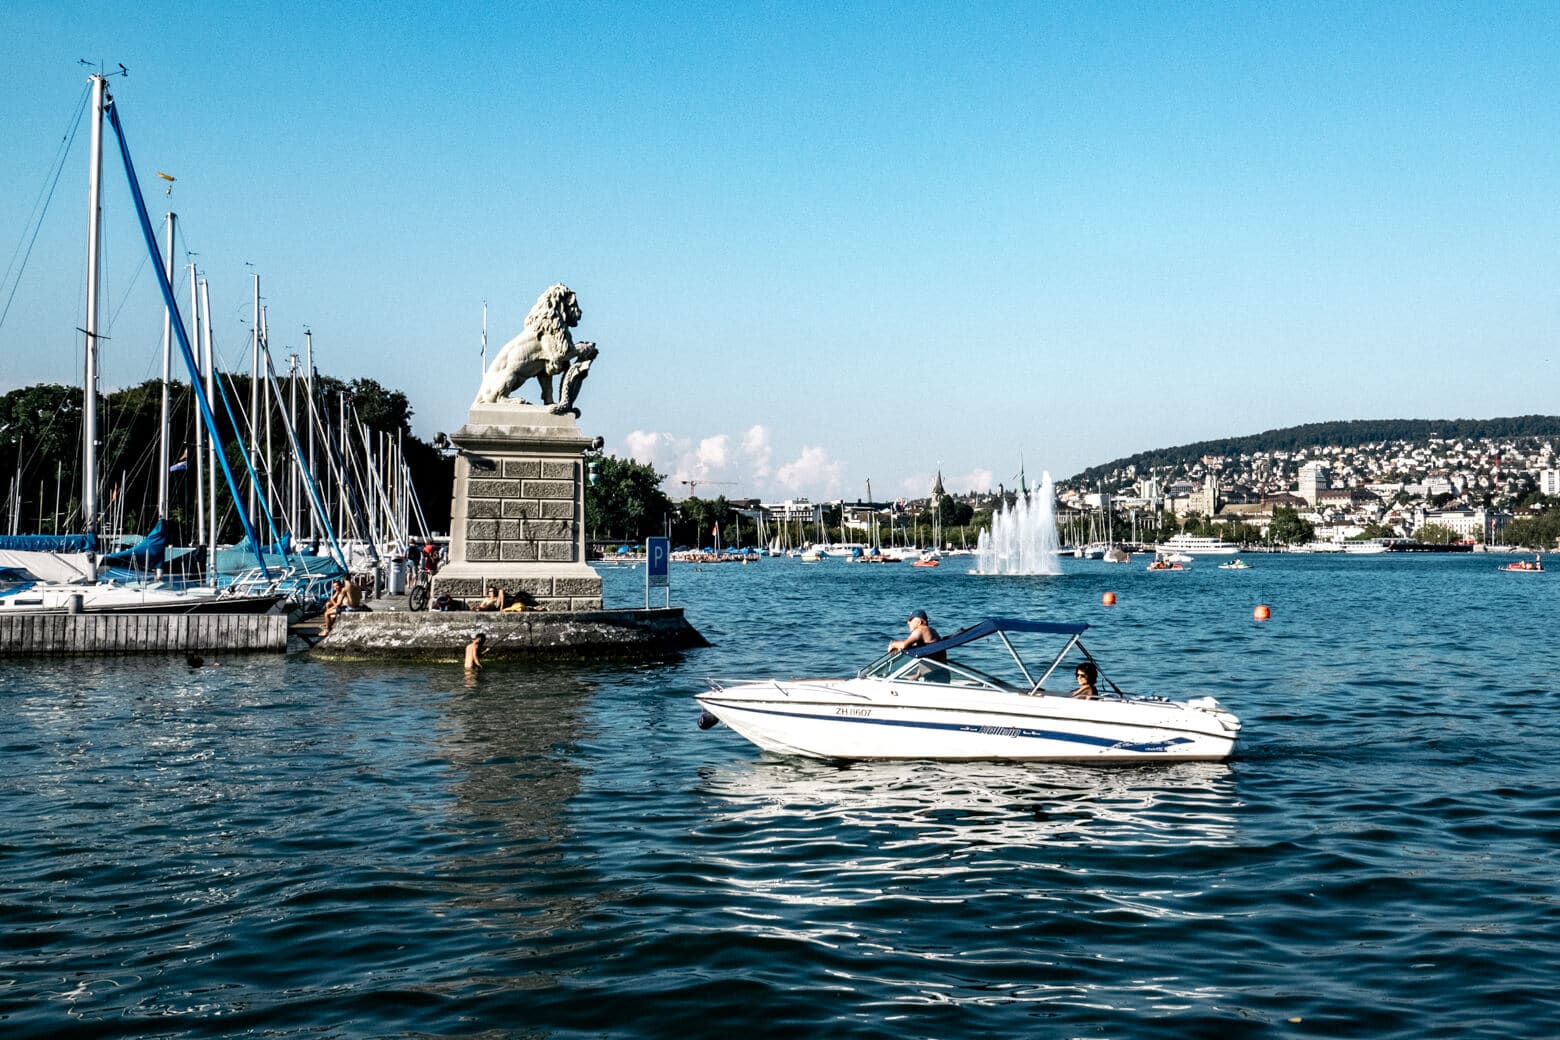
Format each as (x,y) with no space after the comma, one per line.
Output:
(861,719)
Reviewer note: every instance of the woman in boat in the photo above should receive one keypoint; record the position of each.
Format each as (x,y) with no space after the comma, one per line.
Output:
(1086,674)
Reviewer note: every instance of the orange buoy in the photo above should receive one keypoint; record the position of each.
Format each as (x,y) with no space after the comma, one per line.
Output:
(1262,613)
(1109,599)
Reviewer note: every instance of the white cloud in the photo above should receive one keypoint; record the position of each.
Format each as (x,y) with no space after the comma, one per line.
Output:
(734,467)
(812,472)
(975,480)
(654,449)
(712,452)
(757,452)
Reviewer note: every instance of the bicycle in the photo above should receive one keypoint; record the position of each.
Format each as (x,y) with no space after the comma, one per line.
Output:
(419,588)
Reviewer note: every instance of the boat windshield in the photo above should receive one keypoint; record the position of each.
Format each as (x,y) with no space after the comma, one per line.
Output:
(952,673)
(986,657)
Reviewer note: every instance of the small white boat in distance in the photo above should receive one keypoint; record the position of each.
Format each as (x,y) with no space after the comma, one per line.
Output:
(923,704)
(1236,564)
(1196,545)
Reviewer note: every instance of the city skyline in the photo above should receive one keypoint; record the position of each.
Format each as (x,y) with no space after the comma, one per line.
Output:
(818,247)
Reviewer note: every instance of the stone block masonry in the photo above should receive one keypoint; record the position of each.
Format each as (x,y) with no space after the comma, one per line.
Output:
(525,520)
(518,515)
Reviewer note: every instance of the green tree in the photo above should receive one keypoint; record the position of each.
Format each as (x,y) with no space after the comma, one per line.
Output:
(626,500)
(1289,527)
(1238,533)
(1537,532)
(1435,534)
(1374,531)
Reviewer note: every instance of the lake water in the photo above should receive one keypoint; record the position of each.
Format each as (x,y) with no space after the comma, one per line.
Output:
(289,848)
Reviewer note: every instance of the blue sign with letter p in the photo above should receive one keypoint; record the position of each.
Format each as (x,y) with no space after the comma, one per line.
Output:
(658,563)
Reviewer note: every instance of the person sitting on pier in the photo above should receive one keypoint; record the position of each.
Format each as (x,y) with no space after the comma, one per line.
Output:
(332,606)
(1086,675)
(494,600)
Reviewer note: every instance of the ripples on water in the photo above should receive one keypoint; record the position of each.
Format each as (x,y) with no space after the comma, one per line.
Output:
(292,848)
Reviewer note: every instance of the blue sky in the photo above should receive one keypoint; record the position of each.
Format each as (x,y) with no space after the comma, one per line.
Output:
(820,245)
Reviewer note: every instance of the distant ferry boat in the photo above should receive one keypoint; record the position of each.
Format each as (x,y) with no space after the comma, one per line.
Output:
(1197,545)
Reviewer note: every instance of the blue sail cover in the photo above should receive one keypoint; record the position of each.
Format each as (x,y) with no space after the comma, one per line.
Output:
(145,555)
(58,543)
(281,548)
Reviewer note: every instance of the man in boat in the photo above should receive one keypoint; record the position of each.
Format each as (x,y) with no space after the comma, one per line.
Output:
(921,634)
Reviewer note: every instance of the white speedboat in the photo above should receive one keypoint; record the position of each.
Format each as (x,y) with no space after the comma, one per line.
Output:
(922,704)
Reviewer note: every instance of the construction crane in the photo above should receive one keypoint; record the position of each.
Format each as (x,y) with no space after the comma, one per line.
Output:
(693,485)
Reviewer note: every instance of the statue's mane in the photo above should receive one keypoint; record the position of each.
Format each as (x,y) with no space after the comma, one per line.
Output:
(548,317)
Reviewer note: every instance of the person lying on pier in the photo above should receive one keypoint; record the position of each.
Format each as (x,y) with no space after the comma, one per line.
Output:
(494,600)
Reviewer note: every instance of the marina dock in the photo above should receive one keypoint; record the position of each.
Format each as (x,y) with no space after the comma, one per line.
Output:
(32,635)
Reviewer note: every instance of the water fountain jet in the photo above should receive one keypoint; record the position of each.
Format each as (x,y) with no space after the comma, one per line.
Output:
(1022,538)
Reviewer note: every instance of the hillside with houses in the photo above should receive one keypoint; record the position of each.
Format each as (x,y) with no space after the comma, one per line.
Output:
(1482,481)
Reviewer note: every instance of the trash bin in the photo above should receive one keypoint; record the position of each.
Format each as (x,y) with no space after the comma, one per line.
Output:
(397,580)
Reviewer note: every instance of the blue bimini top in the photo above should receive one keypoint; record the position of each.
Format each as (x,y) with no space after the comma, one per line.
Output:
(992,625)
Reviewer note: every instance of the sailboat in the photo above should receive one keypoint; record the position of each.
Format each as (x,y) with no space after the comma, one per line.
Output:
(66,573)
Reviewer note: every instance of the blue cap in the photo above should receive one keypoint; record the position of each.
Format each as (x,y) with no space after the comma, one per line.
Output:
(918,615)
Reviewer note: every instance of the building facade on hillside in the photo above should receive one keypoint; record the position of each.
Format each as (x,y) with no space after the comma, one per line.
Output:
(1483,525)
(1313,480)
(1549,482)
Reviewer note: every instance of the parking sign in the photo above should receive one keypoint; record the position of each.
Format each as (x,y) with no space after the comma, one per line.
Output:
(658,567)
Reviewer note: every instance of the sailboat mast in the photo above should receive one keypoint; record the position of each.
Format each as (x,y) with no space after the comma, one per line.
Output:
(200,432)
(89,460)
(270,405)
(211,443)
(292,421)
(254,397)
(308,388)
(163,459)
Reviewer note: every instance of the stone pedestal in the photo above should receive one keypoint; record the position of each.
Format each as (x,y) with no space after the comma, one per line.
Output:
(518,519)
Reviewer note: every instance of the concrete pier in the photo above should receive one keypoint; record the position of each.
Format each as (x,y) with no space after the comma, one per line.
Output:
(54,635)
(436,636)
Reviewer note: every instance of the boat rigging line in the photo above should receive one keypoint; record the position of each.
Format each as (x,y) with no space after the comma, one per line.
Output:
(35,220)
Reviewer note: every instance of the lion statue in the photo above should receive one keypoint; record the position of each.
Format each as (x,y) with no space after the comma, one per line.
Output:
(544,349)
